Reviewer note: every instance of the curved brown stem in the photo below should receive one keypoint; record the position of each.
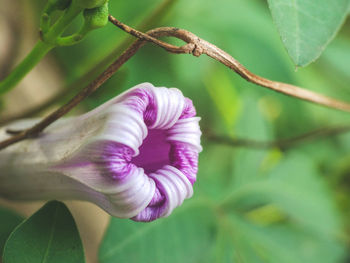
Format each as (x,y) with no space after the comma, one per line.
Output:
(201,46)
(194,45)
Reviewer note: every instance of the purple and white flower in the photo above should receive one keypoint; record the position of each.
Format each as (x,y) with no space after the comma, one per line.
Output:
(135,156)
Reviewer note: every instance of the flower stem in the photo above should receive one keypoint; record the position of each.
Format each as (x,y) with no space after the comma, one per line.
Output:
(61,24)
(41,48)
(38,52)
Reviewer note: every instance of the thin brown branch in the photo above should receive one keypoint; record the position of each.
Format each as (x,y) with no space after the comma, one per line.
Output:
(283,144)
(167,31)
(93,86)
(195,46)
(200,46)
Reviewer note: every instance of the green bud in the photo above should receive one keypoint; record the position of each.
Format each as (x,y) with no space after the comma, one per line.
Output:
(96,17)
(89,4)
(44,22)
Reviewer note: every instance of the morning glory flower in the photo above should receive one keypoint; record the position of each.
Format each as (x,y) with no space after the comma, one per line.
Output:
(135,156)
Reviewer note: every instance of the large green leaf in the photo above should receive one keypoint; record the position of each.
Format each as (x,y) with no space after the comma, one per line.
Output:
(48,236)
(185,236)
(307,26)
(8,221)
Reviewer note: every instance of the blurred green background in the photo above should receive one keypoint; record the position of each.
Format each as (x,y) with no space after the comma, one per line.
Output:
(250,205)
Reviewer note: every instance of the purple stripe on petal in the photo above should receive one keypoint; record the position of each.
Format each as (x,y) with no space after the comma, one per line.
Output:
(189,109)
(184,158)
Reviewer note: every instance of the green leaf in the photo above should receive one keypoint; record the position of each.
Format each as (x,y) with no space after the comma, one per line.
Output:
(306,26)
(8,221)
(185,236)
(48,236)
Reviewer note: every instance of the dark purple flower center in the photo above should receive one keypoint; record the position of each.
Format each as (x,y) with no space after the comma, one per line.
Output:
(154,152)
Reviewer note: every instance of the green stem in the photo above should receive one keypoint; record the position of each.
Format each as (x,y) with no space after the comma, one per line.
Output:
(40,49)
(61,24)
(37,53)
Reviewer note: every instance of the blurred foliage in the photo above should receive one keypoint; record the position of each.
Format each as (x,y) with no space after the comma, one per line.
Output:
(180,238)
(249,205)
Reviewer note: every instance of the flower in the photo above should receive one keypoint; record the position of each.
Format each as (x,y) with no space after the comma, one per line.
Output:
(135,156)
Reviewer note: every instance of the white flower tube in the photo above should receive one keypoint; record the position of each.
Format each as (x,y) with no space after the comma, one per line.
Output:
(135,156)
